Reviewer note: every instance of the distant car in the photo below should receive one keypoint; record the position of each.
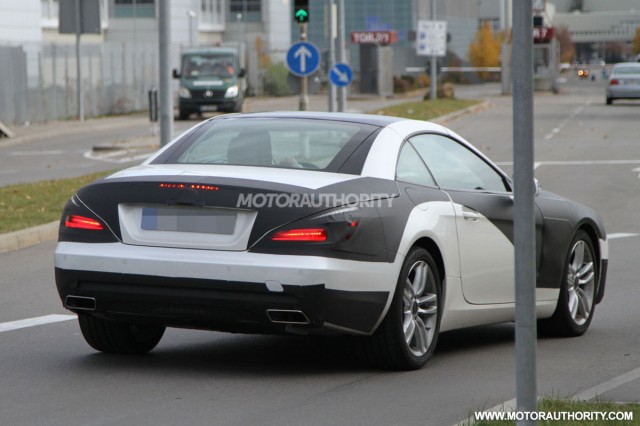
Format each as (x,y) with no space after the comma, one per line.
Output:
(583,73)
(624,82)
(380,227)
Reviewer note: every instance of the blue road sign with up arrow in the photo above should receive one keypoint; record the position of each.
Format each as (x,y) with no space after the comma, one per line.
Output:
(341,74)
(303,58)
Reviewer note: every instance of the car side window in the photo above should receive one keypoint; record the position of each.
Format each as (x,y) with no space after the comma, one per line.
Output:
(454,166)
(411,168)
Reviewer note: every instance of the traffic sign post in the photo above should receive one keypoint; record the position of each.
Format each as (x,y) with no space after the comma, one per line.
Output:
(303,59)
(432,41)
(341,75)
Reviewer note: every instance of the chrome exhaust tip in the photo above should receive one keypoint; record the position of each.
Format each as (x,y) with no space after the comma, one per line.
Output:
(80,303)
(284,316)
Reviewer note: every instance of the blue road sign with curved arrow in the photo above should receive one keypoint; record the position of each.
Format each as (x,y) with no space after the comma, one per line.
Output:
(303,58)
(341,74)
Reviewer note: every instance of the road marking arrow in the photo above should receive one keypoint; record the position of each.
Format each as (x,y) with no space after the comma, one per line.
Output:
(303,53)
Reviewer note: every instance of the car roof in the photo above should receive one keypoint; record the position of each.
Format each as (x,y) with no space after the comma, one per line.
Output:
(627,64)
(371,119)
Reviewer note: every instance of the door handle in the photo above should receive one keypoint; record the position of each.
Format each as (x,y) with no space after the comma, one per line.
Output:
(470,215)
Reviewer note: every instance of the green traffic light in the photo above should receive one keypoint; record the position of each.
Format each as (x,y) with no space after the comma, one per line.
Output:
(302,15)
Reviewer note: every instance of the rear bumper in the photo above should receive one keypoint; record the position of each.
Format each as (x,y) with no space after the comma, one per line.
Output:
(621,92)
(227,291)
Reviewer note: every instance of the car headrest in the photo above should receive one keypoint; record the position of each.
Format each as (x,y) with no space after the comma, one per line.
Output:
(251,149)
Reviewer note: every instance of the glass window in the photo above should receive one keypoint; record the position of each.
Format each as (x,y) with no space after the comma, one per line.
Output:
(627,69)
(211,12)
(251,10)
(282,142)
(411,168)
(134,9)
(454,166)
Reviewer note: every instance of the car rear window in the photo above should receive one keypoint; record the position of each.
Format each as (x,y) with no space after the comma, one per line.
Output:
(271,142)
(627,70)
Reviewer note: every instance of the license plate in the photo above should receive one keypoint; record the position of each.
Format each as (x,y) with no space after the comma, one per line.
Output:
(205,108)
(202,220)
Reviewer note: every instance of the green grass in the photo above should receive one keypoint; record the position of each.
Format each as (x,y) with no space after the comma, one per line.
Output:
(427,110)
(31,204)
(553,405)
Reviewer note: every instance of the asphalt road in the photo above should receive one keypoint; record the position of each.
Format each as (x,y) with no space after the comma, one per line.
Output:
(584,150)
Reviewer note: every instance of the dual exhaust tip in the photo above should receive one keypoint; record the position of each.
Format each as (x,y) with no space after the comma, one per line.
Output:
(82,303)
(278,316)
(286,316)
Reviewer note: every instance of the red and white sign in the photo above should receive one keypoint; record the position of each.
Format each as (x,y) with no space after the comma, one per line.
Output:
(374,37)
(543,34)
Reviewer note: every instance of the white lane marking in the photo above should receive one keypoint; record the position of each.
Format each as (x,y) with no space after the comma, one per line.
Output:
(577,163)
(586,395)
(620,235)
(32,322)
(24,153)
(110,157)
(604,387)
(561,126)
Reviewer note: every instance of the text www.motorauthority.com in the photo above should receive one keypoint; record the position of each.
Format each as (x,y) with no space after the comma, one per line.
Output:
(554,416)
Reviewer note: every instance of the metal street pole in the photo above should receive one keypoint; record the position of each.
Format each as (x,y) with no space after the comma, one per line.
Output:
(433,86)
(191,15)
(332,53)
(342,91)
(524,218)
(166,99)
(505,51)
(304,97)
(78,18)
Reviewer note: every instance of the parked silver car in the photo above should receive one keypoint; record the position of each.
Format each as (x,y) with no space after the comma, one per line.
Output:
(624,82)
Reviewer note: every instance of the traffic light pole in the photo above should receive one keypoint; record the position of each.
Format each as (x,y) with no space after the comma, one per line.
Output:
(304,96)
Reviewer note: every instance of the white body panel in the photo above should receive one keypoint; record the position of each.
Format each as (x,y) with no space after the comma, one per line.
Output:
(486,259)
(244,266)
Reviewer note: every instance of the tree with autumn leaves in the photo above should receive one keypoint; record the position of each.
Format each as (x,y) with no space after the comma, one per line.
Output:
(636,42)
(484,51)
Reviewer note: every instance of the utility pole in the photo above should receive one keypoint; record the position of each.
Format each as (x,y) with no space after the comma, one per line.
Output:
(433,85)
(524,217)
(342,58)
(332,52)
(78,18)
(166,99)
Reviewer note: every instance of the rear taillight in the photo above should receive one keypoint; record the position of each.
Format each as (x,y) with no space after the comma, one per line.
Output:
(82,222)
(614,82)
(303,234)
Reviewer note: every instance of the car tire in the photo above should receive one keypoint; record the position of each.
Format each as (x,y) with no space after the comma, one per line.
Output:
(578,290)
(414,312)
(183,114)
(119,337)
(609,101)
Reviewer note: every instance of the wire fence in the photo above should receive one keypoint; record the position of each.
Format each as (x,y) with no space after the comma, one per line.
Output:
(116,78)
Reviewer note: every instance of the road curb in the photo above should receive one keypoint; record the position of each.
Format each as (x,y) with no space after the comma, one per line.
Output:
(28,237)
(457,114)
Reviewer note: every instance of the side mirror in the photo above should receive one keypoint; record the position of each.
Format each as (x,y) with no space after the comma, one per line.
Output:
(537,187)
(176,74)
(242,72)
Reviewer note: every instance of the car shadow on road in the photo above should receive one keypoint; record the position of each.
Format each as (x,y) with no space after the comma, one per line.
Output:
(223,354)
